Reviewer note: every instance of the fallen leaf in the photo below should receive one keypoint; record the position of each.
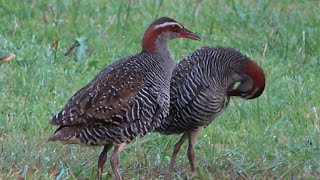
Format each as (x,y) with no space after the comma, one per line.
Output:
(7,57)
(31,171)
(53,170)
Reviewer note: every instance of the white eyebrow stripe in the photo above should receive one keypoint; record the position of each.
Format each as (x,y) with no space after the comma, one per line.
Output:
(167,24)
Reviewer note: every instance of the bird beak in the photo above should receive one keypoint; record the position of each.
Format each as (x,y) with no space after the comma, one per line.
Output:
(252,85)
(185,33)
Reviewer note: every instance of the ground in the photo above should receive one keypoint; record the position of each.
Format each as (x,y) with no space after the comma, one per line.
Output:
(273,136)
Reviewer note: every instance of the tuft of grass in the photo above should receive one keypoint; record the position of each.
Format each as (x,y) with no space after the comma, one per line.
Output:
(274,136)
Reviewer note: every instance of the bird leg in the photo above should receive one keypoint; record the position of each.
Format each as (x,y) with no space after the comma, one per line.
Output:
(115,160)
(176,149)
(192,136)
(102,159)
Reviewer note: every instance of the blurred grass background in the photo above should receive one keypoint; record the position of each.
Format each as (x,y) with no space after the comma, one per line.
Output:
(274,136)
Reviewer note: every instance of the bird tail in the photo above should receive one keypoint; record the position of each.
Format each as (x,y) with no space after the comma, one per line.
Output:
(67,135)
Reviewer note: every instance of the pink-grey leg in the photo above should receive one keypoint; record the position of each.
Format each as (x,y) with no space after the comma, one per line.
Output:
(102,159)
(115,160)
(176,149)
(192,137)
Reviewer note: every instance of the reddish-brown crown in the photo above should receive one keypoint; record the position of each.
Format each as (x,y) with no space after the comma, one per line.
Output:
(162,26)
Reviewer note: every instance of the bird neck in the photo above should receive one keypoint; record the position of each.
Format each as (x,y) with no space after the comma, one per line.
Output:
(154,42)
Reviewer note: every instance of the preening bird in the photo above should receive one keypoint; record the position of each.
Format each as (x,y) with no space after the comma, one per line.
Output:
(127,99)
(201,87)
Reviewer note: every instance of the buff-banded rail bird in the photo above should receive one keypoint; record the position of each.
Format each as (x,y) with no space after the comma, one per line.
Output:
(201,87)
(129,98)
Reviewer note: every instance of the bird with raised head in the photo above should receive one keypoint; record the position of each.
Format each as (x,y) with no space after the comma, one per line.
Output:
(201,87)
(129,98)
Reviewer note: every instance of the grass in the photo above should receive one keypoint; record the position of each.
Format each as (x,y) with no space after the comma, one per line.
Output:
(274,136)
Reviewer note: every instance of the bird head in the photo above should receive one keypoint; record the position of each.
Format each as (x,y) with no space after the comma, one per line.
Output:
(251,81)
(162,30)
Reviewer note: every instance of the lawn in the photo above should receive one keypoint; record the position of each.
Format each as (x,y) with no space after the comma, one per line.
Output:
(273,136)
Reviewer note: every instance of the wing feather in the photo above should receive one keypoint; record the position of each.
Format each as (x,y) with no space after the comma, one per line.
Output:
(107,98)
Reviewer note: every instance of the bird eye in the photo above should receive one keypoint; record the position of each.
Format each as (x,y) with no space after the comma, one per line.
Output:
(175,28)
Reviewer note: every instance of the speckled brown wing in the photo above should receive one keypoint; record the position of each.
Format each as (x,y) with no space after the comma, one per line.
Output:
(105,98)
(110,109)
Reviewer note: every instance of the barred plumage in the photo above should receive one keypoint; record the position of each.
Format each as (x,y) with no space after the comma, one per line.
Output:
(201,87)
(127,99)
(115,99)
